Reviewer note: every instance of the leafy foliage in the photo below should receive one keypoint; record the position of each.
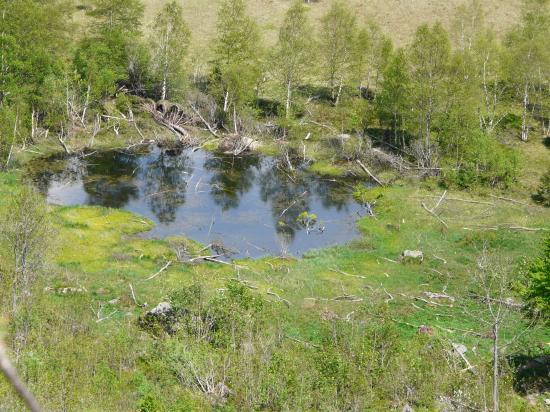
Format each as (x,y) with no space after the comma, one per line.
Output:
(537,292)
(543,192)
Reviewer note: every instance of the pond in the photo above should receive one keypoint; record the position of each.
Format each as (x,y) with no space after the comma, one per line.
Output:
(250,204)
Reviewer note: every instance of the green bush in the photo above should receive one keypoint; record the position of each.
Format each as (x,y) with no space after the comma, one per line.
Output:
(537,290)
(543,192)
(484,162)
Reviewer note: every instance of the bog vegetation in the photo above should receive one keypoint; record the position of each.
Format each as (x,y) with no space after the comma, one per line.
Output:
(350,328)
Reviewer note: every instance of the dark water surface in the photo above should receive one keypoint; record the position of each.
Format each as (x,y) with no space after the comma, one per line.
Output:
(249,204)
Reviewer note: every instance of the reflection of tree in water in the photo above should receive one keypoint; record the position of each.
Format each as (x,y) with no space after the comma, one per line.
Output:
(332,194)
(285,195)
(231,178)
(60,170)
(109,181)
(165,180)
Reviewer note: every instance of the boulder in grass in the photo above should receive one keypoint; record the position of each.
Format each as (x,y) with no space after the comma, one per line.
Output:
(162,309)
(162,317)
(412,256)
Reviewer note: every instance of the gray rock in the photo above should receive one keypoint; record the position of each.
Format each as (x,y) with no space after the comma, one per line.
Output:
(163,308)
(412,256)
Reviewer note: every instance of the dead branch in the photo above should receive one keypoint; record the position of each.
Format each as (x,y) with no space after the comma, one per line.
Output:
(456,199)
(360,163)
(141,305)
(348,298)
(434,295)
(323,125)
(434,215)
(346,274)
(528,229)
(506,302)
(439,201)
(212,257)
(280,299)
(292,204)
(67,150)
(510,200)
(13,378)
(245,283)
(307,344)
(210,128)
(110,315)
(428,302)
(160,271)
(460,352)
(439,258)
(439,273)
(163,121)
(390,296)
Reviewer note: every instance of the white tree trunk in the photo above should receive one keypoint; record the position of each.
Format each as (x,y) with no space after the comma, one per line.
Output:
(226,102)
(163,96)
(339,93)
(235,119)
(495,368)
(524,126)
(288,98)
(86,103)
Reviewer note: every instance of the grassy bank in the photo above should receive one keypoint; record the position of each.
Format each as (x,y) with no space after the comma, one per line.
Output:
(89,334)
(87,351)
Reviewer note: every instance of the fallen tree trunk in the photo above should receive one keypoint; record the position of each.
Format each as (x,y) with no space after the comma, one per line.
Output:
(163,121)
(210,128)
(369,173)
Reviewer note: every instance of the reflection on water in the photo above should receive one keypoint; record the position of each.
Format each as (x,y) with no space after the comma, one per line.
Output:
(250,204)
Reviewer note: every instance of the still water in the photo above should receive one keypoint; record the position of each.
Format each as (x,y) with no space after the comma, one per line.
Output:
(251,204)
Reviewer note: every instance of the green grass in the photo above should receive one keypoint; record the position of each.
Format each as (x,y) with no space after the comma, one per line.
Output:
(397,19)
(100,245)
(102,250)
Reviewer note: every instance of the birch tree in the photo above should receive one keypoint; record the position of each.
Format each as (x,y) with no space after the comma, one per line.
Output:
(33,50)
(488,61)
(121,15)
(236,65)
(372,55)
(293,56)
(337,45)
(24,232)
(497,315)
(468,22)
(529,57)
(429,58)
(393,102)
(170,42)
(103,59)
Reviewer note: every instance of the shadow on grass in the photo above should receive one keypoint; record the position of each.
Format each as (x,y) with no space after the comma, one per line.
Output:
(532,373)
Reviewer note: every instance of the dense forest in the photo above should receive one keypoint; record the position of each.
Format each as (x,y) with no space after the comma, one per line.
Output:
(459,109)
